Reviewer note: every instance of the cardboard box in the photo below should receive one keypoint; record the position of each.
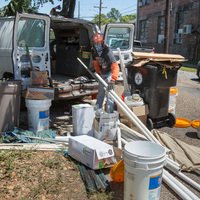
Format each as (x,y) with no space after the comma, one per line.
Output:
(39,93)
(92,152)
(140,111)
(106,128)
(39,78)
(83,123)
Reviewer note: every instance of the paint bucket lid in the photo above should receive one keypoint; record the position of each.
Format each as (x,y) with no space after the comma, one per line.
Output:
(117,172)
(196,123)
(182,123)
(173,90)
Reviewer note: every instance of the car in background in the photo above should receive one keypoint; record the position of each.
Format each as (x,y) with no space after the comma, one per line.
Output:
(198,69)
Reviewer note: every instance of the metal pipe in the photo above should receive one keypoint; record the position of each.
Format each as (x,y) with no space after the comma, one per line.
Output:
(123,141)
(119,142)
(123,126)
(180,185)
(184,177)
(175,188)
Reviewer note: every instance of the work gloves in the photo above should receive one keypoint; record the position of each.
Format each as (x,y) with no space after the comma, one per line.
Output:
(111,85)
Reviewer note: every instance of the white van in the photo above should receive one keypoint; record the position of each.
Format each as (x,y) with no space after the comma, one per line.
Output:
(54,43)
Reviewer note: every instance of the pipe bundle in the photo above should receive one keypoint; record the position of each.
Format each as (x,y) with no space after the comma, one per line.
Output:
(93,179)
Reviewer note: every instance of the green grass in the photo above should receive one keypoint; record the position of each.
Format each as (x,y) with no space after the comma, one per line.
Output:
(188,69)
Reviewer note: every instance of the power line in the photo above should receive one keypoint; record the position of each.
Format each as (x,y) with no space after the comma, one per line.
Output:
(129,11)
(128,7)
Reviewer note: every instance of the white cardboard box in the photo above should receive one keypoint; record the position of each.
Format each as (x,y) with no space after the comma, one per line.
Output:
(90,151)
(83,123)
(106,128)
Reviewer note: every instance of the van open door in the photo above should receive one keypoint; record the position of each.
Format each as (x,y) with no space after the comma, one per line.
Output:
(31,34)
(120,35)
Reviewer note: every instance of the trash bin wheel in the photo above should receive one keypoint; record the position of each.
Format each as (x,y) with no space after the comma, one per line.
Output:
(149,123)
(171,119)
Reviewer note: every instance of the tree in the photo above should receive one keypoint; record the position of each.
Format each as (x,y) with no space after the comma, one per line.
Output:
(18,5)
(114,15)
(127,18)
(104,19)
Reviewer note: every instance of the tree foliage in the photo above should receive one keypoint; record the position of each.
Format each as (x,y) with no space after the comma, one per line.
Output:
(18,5)
(127,18)
(114,15)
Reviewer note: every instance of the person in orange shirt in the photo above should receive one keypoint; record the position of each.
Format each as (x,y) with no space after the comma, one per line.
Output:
(105,64)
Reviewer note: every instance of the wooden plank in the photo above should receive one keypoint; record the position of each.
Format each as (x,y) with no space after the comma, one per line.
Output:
(33,146)
(157,55)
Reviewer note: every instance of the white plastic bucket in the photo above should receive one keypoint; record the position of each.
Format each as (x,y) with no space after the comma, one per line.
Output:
(172,99)
(144,163)
(38,114)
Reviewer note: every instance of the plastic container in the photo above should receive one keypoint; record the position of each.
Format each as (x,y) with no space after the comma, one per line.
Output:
(144,163)
(38,114)
(86,55)
(172,99)
(10,99)
(196,123)
(134,100)
(182,122)
(117,172)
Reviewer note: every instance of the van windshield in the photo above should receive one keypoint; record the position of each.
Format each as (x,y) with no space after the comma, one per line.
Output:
(30,32)
(118,37)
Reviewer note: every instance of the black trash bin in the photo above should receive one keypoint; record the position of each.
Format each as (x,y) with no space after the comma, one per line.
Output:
(153,83)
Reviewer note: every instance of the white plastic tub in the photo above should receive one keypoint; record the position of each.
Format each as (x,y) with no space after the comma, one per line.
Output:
(38,114)
(144,163)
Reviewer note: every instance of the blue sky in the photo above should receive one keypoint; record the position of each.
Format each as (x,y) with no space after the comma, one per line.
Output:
(87,7)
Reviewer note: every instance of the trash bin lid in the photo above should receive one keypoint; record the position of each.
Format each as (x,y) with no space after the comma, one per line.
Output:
(182,123)
(196,123)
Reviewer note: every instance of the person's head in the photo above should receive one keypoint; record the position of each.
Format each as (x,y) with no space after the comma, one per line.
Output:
(98,42)
(98,38)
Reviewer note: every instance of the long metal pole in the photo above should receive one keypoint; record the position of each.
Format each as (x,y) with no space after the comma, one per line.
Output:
(167,26)
(100,15)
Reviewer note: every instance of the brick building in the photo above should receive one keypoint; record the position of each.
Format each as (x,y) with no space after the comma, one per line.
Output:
(184,27)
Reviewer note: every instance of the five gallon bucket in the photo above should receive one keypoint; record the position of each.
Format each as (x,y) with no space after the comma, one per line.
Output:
(38,114)
(144,163)
(172,99)
(10,99)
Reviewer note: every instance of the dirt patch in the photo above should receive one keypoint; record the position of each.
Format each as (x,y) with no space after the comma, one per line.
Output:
(39,175)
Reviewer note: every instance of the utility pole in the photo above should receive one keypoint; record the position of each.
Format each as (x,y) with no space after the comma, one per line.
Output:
(167,26)
(100,7)
(79,9)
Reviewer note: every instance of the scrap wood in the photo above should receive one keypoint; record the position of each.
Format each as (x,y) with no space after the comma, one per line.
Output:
(167,63)
(33,146)
(158,56)
(186,155)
